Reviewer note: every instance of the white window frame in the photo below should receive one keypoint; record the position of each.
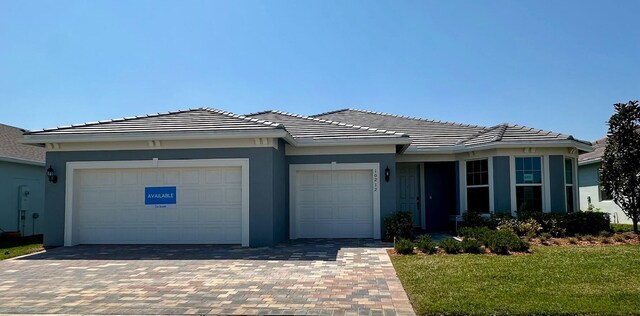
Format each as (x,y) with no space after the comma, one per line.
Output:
(488,185)
(544,162)
(72,167)
(293,172)
(573,185)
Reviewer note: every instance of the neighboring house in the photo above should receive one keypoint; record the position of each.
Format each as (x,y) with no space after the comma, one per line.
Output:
(209,176)
(22,175)
(591,192)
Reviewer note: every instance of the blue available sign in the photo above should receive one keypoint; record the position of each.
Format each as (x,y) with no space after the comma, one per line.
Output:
(159,196)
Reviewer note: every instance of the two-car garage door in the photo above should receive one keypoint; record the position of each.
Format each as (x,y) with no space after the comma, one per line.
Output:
(109,206)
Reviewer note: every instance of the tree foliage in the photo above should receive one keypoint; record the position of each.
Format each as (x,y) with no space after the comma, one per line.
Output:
(620,174)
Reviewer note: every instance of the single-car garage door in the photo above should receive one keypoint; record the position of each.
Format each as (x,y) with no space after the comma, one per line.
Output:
(333,204)
(109,206)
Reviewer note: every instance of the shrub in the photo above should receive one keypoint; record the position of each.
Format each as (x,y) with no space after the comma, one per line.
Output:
(450,246)
(398,225)
(471,246)
(528,227)
(501,242)
(586,223)
(404,247)
(605,240)
(477,233)
(572,240)
(473,219)
(425,244)
(544,237)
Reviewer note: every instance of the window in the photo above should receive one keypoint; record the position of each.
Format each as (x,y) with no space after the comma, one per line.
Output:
(568,184)
(478,186)
(604,194)
(529,184)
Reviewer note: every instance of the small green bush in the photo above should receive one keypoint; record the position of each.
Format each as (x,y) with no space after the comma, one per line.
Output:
(588,238)
(398,225)
(526,228)
(471,246)
(450,246)
(425,244)
(605,233)
(473,219)
(404,246)
(586,223)
(605,240)
(477,233)
(573,240)
(501,242)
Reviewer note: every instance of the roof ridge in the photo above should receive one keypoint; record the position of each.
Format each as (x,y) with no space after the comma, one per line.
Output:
(330,112)
(408,117)
(330,122)
(244,117)
(482,132)
(132,118)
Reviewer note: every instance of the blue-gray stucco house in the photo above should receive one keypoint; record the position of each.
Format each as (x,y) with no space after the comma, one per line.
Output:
(262,178)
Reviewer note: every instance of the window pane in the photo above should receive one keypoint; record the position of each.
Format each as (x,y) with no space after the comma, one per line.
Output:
(478,199)
(568,171)
(604,194)
(478,172)
(529,198)
(569,195)
(528,170)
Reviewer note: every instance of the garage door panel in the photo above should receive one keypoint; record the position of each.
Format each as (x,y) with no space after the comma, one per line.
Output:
(337,204)
(109,206)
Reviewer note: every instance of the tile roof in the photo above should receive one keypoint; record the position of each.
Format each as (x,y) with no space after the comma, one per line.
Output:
(192,120)
(305,127)
(430,134)
(596,154)
(10,147)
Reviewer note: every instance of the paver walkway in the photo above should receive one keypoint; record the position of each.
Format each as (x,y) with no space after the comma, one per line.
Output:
(327,277)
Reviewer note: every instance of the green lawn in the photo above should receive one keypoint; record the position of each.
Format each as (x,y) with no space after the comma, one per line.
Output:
(10,248)
(553,280)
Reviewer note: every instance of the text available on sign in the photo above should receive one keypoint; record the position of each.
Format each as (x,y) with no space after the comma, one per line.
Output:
(159,197)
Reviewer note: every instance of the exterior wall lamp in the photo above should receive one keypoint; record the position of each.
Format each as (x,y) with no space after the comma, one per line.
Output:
(52,177)
(387,174)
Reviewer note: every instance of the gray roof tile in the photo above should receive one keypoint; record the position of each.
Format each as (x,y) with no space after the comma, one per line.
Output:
(597,153)
(193,120)
(430,134)
(12,149)
(305,127)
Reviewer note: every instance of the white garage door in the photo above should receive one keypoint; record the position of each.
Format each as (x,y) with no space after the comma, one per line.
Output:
(334,204)
(109,206)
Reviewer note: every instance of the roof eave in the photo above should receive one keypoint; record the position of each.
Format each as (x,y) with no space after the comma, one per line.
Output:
(38,139)
(23,161)
(581,147)
(311,142)
(590,161)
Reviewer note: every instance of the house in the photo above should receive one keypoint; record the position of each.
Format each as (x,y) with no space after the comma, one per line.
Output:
(592,196)
(210,176)
(22,176)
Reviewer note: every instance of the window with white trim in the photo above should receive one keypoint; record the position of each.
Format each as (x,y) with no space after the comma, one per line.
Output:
(568,184)
(604,194)
(529,184)
(478,185)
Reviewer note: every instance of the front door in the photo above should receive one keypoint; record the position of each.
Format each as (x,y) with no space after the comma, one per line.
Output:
(409,190)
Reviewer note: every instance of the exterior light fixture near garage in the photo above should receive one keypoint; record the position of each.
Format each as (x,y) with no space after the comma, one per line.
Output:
(53,178)
(387,174)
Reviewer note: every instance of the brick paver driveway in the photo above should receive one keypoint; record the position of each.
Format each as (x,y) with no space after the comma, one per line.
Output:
(299,277)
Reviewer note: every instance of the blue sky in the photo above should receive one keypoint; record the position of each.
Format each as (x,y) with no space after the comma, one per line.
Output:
(557,65)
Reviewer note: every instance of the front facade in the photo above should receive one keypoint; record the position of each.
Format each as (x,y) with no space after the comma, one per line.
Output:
(22,176)
(592,196)
(208,176)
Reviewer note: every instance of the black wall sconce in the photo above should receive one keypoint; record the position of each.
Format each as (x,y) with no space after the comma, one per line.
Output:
(387,174)
(52,177)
